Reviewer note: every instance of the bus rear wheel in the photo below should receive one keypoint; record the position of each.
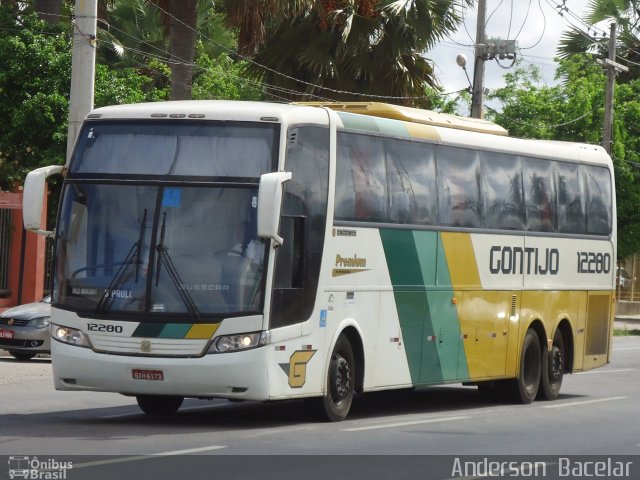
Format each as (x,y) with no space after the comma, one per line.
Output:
(552,369)
(335,404)
(159,404)
(525,387)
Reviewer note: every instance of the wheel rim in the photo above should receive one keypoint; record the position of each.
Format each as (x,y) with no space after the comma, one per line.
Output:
(340,379)
(556,365)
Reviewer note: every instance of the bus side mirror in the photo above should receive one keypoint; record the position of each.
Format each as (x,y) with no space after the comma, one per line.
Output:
(270,203)
(33,198)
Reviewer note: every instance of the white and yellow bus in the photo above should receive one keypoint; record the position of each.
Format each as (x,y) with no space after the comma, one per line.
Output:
(257,251)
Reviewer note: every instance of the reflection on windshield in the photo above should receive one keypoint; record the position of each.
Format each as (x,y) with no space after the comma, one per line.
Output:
(163,250)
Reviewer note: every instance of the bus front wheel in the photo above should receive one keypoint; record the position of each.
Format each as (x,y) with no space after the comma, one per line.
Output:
(525,387)
(159,404)
(335,404)
(552,369)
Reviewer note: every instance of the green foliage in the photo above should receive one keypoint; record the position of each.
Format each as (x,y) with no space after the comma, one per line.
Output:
(573,111)
(221,78)
(34,93)
(34,86)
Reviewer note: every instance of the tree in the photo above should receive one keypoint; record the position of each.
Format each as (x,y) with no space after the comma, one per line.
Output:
(343,49)
(626,13)
(34,93)
(573,110)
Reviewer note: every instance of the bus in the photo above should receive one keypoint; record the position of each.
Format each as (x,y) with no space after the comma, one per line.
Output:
(264,251)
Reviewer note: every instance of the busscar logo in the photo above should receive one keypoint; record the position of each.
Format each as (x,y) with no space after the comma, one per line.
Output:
(38,469)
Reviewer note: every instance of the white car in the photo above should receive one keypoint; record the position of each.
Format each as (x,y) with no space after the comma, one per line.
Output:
(24,330)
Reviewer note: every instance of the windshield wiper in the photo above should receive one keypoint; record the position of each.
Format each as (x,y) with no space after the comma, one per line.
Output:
(134,253)
(165,259)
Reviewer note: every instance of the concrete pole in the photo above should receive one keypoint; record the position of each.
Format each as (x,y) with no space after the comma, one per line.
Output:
(477,98)
(83,67)
(607,134)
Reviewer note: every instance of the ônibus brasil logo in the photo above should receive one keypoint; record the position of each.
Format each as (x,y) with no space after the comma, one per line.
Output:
(34,469)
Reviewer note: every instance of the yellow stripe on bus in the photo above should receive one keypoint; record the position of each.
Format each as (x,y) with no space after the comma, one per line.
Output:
(461,258)
(202,331)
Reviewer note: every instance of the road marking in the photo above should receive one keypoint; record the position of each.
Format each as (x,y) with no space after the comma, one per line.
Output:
(403,424)
(592,372)
(149,456)
(586,402)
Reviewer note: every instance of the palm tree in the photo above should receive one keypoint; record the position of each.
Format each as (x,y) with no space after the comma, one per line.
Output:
(626,13)
(133,32)
(344,49)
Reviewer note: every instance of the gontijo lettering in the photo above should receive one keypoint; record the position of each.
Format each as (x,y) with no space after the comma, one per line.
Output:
(527,261)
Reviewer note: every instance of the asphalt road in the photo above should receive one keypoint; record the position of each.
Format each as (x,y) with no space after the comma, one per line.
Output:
(387,435)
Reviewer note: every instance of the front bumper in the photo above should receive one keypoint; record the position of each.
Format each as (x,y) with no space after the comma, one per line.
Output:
(238,375)
(26,339)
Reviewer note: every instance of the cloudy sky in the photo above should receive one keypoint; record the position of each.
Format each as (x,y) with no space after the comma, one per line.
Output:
(535,24)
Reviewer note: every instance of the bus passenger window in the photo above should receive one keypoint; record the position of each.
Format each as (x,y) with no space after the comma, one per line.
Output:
(571,214)
(411,181)
(504,201)
(539,196)
(361,194)
(459,192)
(599,202)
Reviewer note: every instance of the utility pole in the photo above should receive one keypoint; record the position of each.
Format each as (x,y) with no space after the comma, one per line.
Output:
(83,67)
(477,96)
(612,69)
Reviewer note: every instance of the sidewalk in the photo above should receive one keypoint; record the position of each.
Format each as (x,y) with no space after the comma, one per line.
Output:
(627,322)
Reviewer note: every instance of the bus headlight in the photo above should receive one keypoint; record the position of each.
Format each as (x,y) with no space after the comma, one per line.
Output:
(240,341)
(71,336)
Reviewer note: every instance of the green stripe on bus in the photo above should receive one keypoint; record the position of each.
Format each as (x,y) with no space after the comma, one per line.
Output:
(175,330)
(425,302)
(151,330)
(359,122)
(407,278)
(452,319)
(392,127)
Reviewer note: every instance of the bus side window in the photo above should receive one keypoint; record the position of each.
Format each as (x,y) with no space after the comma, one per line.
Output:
(599,202)
(571,212)
(503,193)
(539,196)
(459,193)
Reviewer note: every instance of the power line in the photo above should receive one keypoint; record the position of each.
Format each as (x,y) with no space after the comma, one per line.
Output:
(288,77)
(544,28)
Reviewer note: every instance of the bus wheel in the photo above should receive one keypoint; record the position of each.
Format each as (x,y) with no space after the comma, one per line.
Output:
(159,404)
(335,404)
(552,369)
(525,387)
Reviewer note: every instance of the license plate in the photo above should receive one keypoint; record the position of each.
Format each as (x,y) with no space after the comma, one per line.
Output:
(153,375)
(8,334)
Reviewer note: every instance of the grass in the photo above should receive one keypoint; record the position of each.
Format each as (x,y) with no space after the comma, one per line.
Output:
(626,333)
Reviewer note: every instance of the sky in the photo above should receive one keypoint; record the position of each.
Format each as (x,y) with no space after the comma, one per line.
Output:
(535,24)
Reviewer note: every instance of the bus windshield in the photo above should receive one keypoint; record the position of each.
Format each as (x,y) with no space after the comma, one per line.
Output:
(159,250)
(160,219)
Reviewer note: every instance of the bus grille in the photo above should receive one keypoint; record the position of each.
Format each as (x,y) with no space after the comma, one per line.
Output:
(148,346)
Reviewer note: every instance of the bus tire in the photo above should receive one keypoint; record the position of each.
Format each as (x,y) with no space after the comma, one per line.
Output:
(552,369)
(525,387)
(159,404)
(341,377)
